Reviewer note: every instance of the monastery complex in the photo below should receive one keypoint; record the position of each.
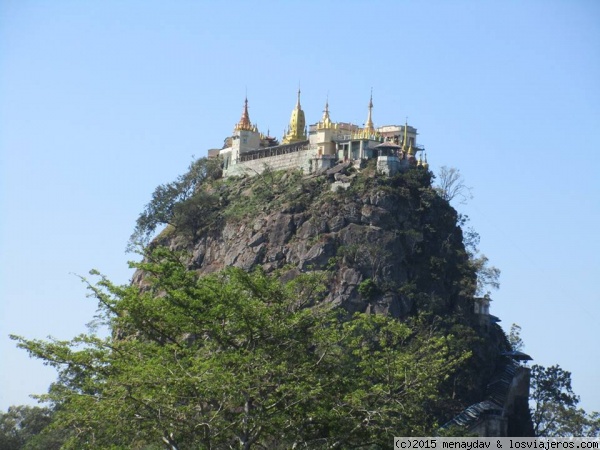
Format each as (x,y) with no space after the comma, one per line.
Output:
(319,146)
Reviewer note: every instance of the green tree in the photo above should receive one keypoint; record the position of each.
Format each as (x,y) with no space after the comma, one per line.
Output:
(514,338)
(238,360)
(25,427)
(554,405)
(488,277)
(179,203)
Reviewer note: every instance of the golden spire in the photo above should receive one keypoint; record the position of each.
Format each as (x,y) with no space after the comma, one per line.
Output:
(405,139)
(297,129)
(369,122)
(244,123)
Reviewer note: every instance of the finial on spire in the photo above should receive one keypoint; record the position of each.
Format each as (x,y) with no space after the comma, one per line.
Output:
(325,120)
(298,103)
(369,122)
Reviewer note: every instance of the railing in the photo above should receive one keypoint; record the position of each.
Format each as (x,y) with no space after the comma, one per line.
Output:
(273,151)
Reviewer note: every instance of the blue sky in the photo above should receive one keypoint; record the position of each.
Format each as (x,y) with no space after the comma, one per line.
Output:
(101,101)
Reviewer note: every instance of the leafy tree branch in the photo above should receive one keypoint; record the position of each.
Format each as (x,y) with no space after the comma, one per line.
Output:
(236,360)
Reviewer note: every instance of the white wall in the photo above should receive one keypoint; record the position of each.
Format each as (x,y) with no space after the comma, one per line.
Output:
(295,160)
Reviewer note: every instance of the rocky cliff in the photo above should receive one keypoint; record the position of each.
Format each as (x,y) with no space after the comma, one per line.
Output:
(389,245)
(395,237)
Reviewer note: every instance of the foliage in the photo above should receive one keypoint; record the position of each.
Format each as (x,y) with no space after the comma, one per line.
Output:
(241,360)
(252,195)
(368,288)
(451,186)
(178,203)
(268,191)
(514,338)
(487,276)
(24,427)
(554,411)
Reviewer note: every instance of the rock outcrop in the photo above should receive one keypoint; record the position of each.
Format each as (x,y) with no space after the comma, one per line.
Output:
(395,232)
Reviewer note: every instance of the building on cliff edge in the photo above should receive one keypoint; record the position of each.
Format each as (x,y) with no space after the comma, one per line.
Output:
(319,146)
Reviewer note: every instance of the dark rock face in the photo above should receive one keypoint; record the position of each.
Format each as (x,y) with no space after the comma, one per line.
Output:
(379,230)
